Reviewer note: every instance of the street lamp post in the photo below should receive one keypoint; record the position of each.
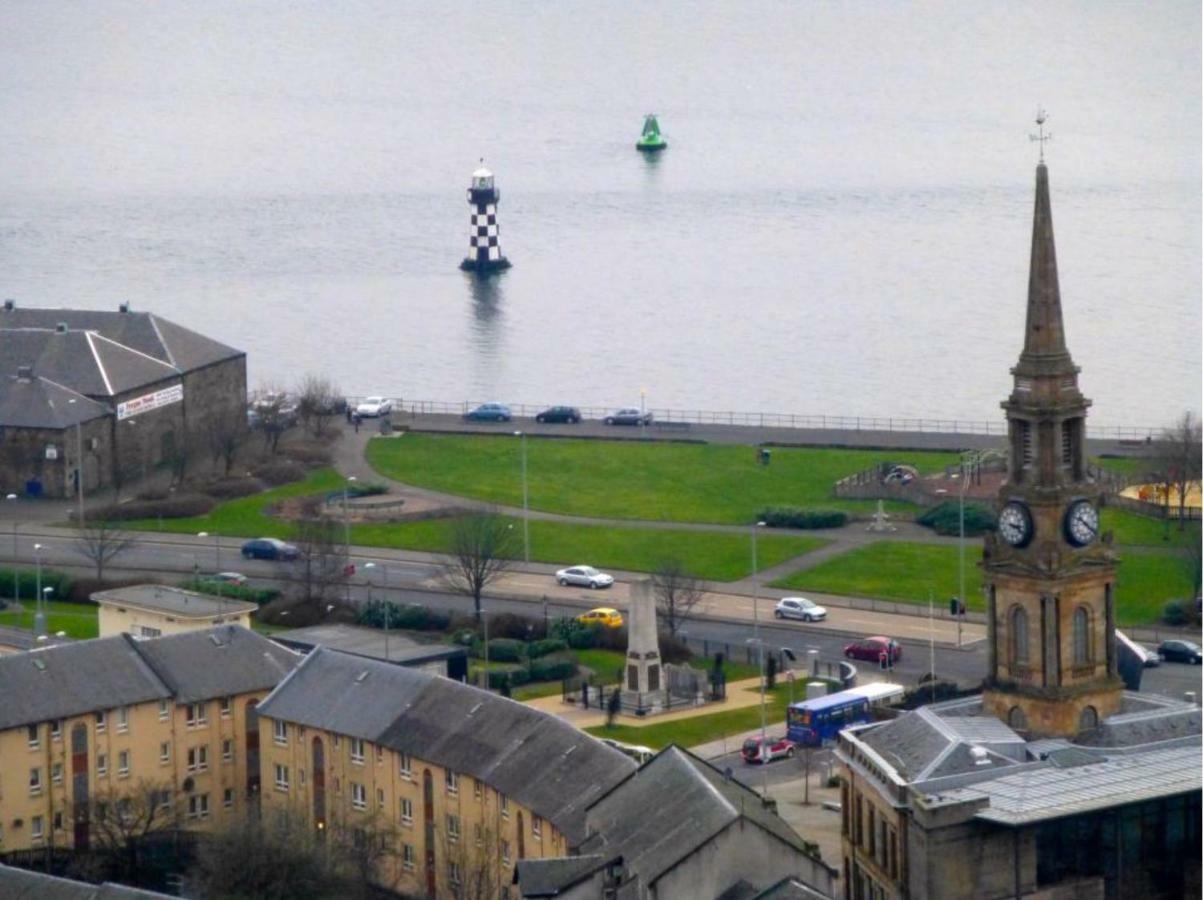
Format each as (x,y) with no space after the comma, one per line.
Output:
(384,569)
(525,502)
(39,616)
(961,557)
(760,663)
(221,596)
(79,467)
(347,532)
(12,498)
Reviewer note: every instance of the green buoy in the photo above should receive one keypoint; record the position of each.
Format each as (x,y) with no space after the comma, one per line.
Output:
(651,140)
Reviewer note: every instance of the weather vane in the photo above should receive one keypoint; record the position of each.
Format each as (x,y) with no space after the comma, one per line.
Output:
(1041,118)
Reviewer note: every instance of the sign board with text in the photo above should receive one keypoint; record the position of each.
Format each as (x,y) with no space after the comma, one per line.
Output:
(147,402)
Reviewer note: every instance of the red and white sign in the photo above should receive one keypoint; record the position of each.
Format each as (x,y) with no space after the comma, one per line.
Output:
(147,402)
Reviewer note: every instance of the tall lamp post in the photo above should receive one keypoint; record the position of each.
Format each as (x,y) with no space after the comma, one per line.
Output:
(79,466)
(760,644)
(347,532)
(221,597)
(384,569)
(12,499)
(961,557)
(525,502)
(39,616)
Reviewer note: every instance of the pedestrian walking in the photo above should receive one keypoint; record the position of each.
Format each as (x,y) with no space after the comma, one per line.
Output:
(355,419)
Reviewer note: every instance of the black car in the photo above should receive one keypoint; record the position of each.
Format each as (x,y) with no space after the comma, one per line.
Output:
(628,416)
(1180,651)
(569,414)
(269,548)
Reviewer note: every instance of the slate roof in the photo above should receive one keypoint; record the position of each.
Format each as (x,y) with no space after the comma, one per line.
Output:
(366,642)
(41,403)
(791,889)
(1144,727)
(909,743)
(25,639)
(173,601)
(551,877)
(85,361)
(142,331)
(23,884)
(539,760)
(673,805)
(72,679)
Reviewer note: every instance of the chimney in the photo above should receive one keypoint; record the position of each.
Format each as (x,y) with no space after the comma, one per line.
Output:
(10,305)
(124,307)
(61,328)
(25,373)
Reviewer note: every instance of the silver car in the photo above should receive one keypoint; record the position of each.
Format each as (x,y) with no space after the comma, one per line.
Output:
(584,576)
(800,608)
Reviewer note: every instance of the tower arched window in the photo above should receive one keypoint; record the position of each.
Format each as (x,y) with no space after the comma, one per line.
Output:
(1081,631)
(1018,627)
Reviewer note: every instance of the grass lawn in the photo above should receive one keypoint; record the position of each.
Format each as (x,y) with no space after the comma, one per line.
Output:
(608,665)
(78,620)
(896,570)
(633,479)
(1134,530)
(1127,466)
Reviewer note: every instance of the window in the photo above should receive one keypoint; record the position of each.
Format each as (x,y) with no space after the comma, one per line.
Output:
(505,806)
(279,731)
(505,853)
(165,752)
(123,764)
(147,632)
(281,777)
(454,873)
(102,765)
(37,828)
(1016,719)
(198,806)
(478,834)
(379,754)
(477,789)
(35,781)
(227,750)
(34,740)
(405,767)
(536,827)
(56,730)
(357,750)
(1019,636)
(452,781)
(198,758)
(227,798)
(164,709)
(359,795)
(1081,636)
(122,719)
(56,773)
(163,797)
(100,722)
(1088,719)
(407,812)
(408,857)
(380,798)
(197,715)
(58,821)
(453,829)
(227,707)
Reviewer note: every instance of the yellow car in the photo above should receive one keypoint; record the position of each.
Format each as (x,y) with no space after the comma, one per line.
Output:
(603,615)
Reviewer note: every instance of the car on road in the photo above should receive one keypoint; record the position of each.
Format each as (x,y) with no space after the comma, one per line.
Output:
(584,576)
(603,615)
(800,608)
(773,748)
(489,412)
(1180,651)
(372,407)
(628,415)
(569,414)
(873,648)
(269,548)
(235,578)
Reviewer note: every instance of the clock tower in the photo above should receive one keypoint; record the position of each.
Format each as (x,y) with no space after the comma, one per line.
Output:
(1050,576)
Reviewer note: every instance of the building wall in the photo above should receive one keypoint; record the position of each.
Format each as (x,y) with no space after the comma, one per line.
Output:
(214,391)
(970,861)
(23,457)
(148,726)
(507,829)
(145,440)
(115,619)
(873,841)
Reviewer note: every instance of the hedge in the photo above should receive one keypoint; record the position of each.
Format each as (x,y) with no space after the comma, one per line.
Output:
(411,617)
(499,677)
(556,669)
(544,647)
(800,517)
(232,591)
(945,518)
(505,650)
(180,506)
(27,584)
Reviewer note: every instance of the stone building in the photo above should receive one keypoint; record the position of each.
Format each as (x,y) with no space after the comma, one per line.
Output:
(110,718)
(108,395)
(1055,783)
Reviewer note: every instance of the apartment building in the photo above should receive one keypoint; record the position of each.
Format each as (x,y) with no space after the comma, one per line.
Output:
(457,783)
(90,726)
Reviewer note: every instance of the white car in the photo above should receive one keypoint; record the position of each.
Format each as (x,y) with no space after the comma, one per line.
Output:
(374,406)
(584,576)
(800,608)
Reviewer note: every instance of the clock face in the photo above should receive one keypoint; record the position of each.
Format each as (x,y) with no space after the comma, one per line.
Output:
(1015,524)
(1081,523)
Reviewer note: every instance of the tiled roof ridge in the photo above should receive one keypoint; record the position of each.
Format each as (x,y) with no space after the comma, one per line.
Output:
(89,336)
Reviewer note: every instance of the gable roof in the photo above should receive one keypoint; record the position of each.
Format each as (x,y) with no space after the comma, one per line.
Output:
(539,760)
(85,361)
(41,403)
(551,877)
(23,884)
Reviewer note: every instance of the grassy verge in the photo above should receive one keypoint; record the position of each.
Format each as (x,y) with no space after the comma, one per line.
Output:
(1140,531)
(607,666)
(633,479)
(78,620)
(896,570)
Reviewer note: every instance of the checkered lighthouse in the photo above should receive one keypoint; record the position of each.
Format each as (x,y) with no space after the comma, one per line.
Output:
(484,245)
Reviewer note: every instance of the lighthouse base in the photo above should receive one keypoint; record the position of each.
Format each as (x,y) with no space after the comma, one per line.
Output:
(484,266)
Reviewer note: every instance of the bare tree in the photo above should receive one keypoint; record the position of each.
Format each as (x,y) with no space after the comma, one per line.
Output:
(471,863)
(321,567)
(317,403)
(100,542)
(120,821)
(677,592)
(227,433)
(483,547)
(273,413)
(1180,450)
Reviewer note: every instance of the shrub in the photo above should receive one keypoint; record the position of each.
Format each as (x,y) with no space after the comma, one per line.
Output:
(945,518)
(799,517)
(232,591)
(610,638)
(153,493)
(180,506)
(546,646)
(505,650)
(498,677)
(552,669)
(674,650)
(509,625)
(279,472)
(307,453)
(231,488)
(368,490)
(576,634)
(27,583)
(1174,613)
(411,617)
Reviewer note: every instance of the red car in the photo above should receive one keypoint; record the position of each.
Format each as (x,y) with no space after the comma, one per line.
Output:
(874,648)
(777,748)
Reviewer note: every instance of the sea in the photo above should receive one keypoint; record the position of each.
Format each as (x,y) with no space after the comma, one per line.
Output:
(840,225)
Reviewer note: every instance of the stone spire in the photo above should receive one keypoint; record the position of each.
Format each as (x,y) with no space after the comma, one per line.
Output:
(1044,350)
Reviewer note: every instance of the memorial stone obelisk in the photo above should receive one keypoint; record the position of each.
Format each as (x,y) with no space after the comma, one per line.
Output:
(644,683)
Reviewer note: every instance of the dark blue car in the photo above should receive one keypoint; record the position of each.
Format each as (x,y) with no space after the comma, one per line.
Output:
(489,412)
(269,548)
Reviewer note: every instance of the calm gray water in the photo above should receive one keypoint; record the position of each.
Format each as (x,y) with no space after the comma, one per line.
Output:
(840,225)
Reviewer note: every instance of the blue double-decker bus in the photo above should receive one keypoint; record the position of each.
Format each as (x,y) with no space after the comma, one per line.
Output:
(812,722)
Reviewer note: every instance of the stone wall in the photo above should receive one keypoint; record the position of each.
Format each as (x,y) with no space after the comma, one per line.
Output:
(23,458)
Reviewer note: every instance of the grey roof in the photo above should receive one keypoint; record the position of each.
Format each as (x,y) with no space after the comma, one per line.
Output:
(41,403)
(85,676)
(369,642)
(173,601)
(672,806)
(1144,727)
(25,639)
(142,331)
(1038,792)
(84,361)
(537,759)
(791,889)
(217,662)
(551,877)
(23,884)
(909,743)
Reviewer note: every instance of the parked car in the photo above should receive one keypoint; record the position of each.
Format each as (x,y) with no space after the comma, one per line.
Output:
(235,578)
(773,748)
(872,648)
(1148,657)
(635,751)
(569,414)
(269,548)
(489,412)
(800,608)
(584,576)
(1180,651)
(372,407)
(603,615)
(628,415)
